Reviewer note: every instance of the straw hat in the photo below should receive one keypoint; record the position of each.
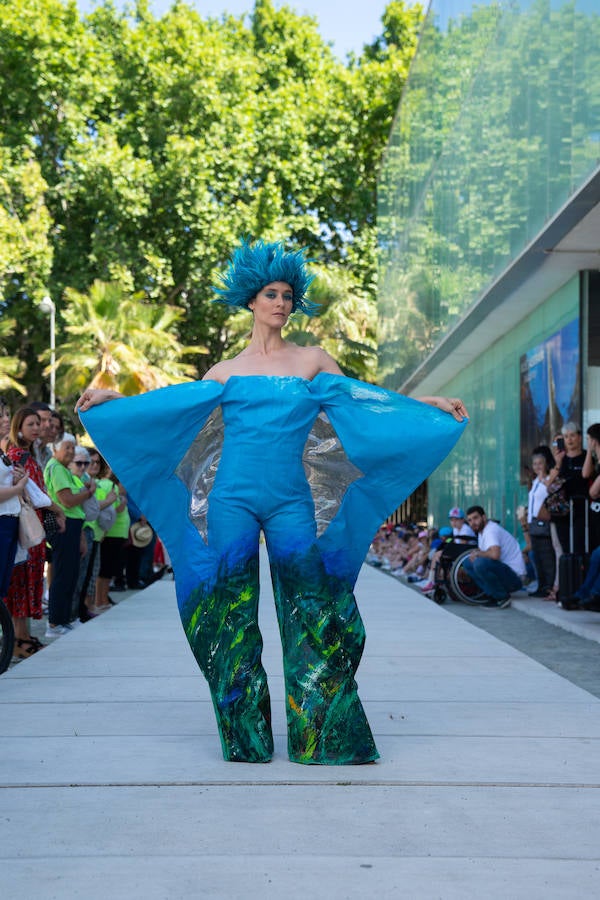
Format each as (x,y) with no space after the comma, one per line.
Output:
(140,534)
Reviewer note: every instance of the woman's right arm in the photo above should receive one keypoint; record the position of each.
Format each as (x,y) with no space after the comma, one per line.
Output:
(94,397)
(16,489)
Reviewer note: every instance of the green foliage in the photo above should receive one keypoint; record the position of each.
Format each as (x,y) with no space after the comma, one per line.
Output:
(11,368)
(118,341)
(158,143)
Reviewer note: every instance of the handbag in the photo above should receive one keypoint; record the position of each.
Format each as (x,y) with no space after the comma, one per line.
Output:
(31,530)
(557,502)
(50,522)
(539,527)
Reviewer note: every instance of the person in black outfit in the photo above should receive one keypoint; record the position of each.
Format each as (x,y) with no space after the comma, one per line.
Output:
(570,463)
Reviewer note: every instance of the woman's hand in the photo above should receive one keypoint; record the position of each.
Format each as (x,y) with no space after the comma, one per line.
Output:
(452,405)
(20,479)
(94,397)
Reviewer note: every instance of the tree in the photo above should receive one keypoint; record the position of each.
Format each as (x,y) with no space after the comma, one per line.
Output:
(118,341)
(11,368)
(163,141)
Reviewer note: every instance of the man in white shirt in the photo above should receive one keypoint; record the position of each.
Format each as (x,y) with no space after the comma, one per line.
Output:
(497,565)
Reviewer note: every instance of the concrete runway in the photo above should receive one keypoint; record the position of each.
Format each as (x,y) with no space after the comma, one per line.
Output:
(112,783)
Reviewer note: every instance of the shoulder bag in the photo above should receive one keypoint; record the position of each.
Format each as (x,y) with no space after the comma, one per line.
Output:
(31,531)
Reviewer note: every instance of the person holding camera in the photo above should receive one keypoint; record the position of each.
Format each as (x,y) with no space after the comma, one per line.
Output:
(569,457)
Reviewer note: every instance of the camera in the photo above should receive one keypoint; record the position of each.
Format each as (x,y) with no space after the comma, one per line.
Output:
(560,444)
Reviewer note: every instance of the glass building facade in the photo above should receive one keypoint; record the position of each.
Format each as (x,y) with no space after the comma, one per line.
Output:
(493,162)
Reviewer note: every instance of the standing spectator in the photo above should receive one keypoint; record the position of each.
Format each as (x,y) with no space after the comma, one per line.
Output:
(12,485)
(497,565)
(538,523)
(106,496)
(78,468)
(112,548)
(569,467)
(24,596)
(66,546)
(56,427)
(591,471)
(42,449)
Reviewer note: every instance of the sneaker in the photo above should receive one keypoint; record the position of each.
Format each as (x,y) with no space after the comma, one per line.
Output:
(412,579)
(56,630)
(429,586)
(490,603)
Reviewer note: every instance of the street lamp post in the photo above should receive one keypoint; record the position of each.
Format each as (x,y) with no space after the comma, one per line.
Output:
(47,305)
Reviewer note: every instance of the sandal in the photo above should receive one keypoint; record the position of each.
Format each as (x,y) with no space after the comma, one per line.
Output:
(24,648)
(35,642)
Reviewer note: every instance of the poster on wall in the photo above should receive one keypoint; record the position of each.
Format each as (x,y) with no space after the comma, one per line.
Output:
(550,391)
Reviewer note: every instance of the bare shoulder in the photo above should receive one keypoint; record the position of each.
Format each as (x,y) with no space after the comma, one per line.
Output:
(219,372)
(323,362)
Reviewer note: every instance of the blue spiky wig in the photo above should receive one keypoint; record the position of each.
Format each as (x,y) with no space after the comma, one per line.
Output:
(253,266)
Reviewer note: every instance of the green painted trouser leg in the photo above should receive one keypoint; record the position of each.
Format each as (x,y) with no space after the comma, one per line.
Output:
(224,636)
(323,638)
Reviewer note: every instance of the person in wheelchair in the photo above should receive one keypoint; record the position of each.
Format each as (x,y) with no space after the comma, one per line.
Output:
(497,565)
(456,537)
(461,530)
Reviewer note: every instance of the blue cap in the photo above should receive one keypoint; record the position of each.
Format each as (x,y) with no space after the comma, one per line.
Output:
(456,513)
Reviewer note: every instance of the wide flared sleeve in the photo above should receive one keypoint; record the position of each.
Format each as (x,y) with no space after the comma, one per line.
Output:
(395,442)
(144,439)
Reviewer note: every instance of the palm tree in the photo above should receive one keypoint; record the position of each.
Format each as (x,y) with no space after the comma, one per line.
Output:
(117,340)
(10,367)
(346,326)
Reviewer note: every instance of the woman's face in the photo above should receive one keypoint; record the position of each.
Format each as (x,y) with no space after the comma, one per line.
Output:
(30,428)
(94,466)
(78,467)
(273,304)
(65,452)
(539,466)
(4,421)
(573,442)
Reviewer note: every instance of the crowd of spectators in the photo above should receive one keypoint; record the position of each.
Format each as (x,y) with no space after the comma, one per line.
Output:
(562,516)
(93,538)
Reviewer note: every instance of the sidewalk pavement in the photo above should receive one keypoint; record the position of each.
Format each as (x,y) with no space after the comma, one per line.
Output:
(112,783)
(578,621)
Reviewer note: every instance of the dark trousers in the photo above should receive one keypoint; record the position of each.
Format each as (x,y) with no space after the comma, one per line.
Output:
(545,561)
(65,572)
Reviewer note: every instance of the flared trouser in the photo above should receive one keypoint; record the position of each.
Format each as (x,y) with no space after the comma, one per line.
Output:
(322,636)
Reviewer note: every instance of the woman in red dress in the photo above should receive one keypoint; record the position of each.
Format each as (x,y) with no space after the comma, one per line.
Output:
(24,597)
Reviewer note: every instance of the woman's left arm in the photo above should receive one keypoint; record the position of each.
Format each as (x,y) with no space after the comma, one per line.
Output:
(452,405)
(594,491)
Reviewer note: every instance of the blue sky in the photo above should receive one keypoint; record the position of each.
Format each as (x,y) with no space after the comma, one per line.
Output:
(347,24)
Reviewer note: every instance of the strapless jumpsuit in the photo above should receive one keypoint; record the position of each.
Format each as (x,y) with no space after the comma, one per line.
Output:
(261,485)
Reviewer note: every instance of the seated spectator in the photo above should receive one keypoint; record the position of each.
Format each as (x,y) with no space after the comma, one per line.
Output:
(497,565)
(445,535)
(461,530)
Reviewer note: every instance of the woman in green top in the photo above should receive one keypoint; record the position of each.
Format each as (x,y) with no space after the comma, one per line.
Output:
(66,492)
(112,548)
(106,496)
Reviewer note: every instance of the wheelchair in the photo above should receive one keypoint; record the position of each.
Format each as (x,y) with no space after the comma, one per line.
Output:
(451,579)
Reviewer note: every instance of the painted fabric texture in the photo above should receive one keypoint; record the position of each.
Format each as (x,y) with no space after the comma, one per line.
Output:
(256,454)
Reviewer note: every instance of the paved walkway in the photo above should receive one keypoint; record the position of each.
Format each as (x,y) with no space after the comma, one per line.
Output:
(112,783)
